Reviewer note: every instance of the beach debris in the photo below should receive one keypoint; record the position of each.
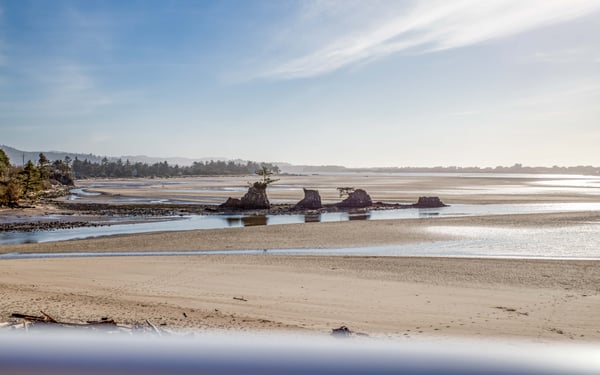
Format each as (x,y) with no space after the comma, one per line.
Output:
(240,299)
(429,202)
(356,199)
(510,309)
(342,331)
(311,200)
(184,315)
(47,320)
(155,328)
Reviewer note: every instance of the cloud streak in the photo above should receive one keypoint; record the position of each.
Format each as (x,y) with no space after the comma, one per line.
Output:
(428,26)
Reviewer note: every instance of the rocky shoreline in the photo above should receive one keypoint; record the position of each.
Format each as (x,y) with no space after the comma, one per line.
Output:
(101,211)
(33,226)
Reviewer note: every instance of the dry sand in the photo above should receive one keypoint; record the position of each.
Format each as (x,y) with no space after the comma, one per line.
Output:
(408,297)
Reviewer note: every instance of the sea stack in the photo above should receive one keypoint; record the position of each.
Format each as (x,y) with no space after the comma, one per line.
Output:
(311,200)
(429,202)
(356,199)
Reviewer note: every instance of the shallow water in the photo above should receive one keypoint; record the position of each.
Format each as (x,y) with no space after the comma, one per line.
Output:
(574,242)
(196,222)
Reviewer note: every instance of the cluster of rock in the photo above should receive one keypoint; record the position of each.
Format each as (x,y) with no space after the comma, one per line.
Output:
(356,199)
(46,225)
(140,209)
(256,198)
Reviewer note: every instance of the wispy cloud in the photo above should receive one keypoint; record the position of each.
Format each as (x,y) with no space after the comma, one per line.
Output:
(564,56)
(426,26)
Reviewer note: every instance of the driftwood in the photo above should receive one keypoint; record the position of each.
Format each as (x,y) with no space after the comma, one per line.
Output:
(240,299)
(49,320)
(155,328)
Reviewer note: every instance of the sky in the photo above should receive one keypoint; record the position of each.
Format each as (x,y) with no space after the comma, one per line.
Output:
(354,83)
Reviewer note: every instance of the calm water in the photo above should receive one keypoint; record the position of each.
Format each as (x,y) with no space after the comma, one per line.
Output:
(574,242)
(195,222)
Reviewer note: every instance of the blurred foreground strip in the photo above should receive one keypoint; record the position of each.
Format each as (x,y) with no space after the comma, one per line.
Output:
(65,352)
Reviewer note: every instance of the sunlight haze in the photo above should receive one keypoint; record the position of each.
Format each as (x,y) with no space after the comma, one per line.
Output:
(354,83)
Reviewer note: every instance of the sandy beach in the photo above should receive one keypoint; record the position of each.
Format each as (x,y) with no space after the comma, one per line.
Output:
(479,188)
(537,300)
(399,297)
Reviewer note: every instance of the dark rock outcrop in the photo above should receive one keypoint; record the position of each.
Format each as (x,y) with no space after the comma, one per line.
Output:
(429,202)
(255,198)
(311,200)
(357,199)
(231,203)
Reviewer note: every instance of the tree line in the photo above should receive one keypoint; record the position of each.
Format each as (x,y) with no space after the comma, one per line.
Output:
(31,181)
(126,169)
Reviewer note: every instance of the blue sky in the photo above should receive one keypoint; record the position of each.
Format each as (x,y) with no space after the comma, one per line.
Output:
(357,83)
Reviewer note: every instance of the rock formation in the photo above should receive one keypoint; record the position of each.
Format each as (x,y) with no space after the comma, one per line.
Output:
(231,203)
(255,198)
(429,202)
(311,200)
(357,199)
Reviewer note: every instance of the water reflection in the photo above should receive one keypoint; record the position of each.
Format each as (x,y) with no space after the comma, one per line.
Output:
(359,215)
(195,222)
(233,221)
(312,218)
(247,221)
(573,242)
(250,221)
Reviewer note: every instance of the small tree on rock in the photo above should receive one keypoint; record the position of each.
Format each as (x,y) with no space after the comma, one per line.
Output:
(345,191)
(265,173)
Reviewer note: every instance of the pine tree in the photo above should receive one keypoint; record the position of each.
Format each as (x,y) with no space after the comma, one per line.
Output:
(31,181)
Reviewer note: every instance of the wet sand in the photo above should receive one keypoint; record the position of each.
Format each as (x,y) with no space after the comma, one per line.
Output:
(302,236)
(539,300)
(393,189)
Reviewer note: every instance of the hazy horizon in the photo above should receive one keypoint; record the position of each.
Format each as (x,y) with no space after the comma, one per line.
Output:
(376,84)
(185,161)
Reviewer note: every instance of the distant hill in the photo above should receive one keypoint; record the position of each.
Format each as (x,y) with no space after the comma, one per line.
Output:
(171,160)
(17,157)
